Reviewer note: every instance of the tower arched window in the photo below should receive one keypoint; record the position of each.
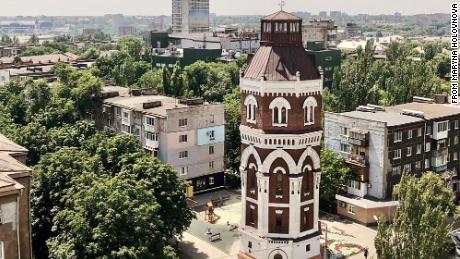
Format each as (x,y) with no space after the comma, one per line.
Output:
(251,105)
(305,181)
(309,107)
(280,112)
(279,182)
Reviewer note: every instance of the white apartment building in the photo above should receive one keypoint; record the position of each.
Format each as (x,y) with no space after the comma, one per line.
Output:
(190,16)
(188,134)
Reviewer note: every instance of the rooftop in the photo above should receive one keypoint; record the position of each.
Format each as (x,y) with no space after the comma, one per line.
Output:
(7,145)
(390,118)
(136,103)
(281,16)
(430,110)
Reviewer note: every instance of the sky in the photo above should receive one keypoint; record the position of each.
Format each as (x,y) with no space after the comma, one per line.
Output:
(221,7)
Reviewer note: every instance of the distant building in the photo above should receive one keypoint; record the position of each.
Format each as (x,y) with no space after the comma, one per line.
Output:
(91,31)
(25,26)
(336,14)
(327,59)
(379,144)
(323,14)
(352,30)
(10,51)
(184,57)
(323,32)
(190,16)
(127,31)
(188,134)
(15,177)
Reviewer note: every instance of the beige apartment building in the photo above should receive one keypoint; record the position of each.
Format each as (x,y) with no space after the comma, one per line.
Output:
(188,134)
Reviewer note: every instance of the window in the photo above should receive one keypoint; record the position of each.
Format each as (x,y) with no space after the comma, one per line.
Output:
(351,209)
(409,134)
(249,242)
(428,130)
(212,135)
(456,140)
(408,168)
(183,122)
(409,151)
(419,149)
(211,180)
(125,115)
(183,171)
(456,124)
(182,138)
(125,128)
(397,154)
(1,220)
(427,163)
(418,165)
(279,218)
(309,107)
(419,132)
(183,154)
(151,136)
(211,150)
(442,126)
(149,121)
(428,147)
(251,104)
(344,131)
(280,107)
(397,136)
(455,156)
(345,148)
(2,251)
(396,170)
(211,165)
(279,183)
(354,184)
(307,248)
(211,118)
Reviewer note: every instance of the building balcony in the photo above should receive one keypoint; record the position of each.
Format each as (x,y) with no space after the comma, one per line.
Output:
(359,137)
(149,144)
(439,168)
(358,160)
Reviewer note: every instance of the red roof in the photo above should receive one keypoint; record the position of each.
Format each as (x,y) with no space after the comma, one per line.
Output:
(282,64)
(282,16)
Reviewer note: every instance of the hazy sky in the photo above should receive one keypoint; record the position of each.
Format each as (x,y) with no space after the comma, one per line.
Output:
(221,7)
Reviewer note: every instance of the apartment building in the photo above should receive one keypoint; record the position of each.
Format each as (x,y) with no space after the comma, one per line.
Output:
(188,134)
(323,32)
(379,144)
(190,16)
(15,229)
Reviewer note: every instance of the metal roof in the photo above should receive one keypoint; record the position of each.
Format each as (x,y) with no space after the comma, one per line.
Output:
(282,64)
(281,16)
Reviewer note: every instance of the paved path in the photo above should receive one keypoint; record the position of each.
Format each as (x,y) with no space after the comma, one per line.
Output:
(195,248)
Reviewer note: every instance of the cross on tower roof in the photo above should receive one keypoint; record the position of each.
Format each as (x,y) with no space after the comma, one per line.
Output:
(282,4)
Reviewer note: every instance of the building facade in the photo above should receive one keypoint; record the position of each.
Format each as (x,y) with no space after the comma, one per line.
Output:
(190,16)
(323,32)
(188,134)
(380,144)
(352,30)
(15,177)
(280,132)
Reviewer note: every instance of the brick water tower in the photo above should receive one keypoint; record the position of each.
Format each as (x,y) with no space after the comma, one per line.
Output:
(280,143)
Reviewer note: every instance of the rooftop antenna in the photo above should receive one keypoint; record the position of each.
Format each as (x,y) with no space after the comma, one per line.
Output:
(282,4)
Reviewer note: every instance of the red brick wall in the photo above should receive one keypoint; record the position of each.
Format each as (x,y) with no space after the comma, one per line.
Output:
(272,227)
(295,114)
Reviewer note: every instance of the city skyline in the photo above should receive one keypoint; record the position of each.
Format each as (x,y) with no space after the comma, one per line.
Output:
(253,7)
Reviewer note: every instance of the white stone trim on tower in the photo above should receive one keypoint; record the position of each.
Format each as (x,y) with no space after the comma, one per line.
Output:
(251,104)
(281,154)
(247,152)
(309,152)
(309,107)
(281,88)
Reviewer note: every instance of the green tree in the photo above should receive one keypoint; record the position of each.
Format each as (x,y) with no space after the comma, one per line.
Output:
(151,79)
(109,217)
(34,40)
(232,129)
(52,177)
(334,174)
(132,46)
(91,53)
(421,224)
